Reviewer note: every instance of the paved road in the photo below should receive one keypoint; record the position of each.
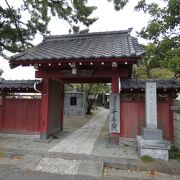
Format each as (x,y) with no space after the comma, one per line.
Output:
(82,140)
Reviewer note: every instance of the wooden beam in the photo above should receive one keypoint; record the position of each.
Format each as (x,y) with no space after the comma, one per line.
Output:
(94,73)
(87,80)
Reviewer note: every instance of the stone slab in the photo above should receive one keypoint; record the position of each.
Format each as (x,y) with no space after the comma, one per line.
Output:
(82,140)
(29,162)
(154,148)
(155,153)
(152,134)
(153,144)
(91,168)
(58,165)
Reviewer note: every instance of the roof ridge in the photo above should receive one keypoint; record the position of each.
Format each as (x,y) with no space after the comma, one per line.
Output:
(68,36)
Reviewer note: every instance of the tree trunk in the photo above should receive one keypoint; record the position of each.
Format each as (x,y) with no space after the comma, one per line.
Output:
(90,104)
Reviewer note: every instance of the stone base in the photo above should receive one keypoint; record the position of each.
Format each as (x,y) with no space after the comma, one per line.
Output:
(152,134)
(128,141)
(44,135)
(155,148)
(114,139)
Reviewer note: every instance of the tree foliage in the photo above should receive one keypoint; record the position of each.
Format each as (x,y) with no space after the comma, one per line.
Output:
(21,22)
(163,31)
(119,4)
(150,66)
(95,90)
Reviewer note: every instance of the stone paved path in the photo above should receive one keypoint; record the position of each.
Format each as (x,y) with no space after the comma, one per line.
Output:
(82,140)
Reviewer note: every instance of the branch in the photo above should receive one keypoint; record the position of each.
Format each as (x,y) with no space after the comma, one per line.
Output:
(9,48)
(15,20)
(4,56)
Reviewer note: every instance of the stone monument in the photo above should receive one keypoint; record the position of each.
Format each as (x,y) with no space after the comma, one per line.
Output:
(151,142)
(75,103)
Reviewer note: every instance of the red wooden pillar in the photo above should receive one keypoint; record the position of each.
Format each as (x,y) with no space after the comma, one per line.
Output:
(62,106)
(115,89)
(45,103)
(115,84)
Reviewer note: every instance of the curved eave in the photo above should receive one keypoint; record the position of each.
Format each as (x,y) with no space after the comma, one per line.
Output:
(132,59)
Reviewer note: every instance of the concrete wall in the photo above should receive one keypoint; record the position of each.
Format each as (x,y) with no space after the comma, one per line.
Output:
(176,120)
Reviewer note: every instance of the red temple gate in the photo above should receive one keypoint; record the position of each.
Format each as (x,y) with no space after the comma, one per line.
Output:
(86,58)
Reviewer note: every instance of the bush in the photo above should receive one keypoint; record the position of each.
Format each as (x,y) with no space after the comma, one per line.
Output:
(174,153)
(147,159)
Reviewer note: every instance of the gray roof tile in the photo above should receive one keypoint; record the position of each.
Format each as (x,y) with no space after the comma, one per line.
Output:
(126,84)
(114,44)
(140,84)
(5,85)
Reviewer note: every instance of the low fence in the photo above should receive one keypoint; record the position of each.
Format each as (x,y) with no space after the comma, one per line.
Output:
(176,120)
(20,114)
(133,118)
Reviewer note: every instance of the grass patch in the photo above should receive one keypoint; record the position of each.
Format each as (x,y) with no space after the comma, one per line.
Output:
(147,159)
(2,154)
(174,153)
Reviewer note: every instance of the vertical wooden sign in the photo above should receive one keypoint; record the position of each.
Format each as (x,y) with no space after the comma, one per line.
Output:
(114,115)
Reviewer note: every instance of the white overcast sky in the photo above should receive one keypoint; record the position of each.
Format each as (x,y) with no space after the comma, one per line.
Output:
(108,20)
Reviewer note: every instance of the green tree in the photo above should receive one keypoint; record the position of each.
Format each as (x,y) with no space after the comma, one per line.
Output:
(163,30)
(150,66)
(17,31)
(95,90)
(163,33)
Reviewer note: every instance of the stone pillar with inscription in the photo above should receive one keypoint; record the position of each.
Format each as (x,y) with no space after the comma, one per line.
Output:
(151,142)
(150,132)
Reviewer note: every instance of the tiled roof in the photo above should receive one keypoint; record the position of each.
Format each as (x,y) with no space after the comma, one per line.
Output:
(140,84)
(126,84)
(115,44)
(15,85)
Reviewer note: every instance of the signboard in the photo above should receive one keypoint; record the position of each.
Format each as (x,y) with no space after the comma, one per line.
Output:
(114,115)
(151,105)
